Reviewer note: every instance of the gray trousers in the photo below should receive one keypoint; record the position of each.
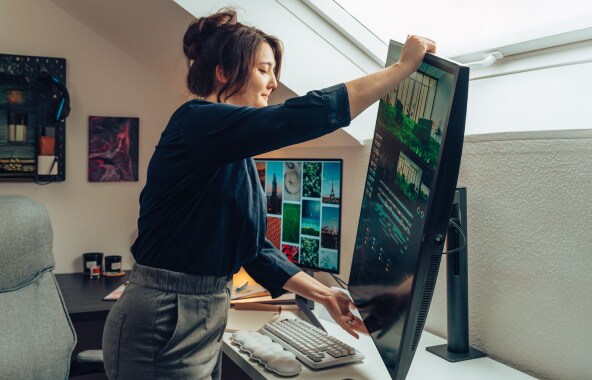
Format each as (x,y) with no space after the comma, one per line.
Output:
(167,325)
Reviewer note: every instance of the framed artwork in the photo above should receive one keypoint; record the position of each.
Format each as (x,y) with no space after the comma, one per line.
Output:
(112,148)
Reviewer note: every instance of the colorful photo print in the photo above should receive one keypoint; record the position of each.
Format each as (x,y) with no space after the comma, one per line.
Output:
(112,148)
(330,228)
(311,217)
(274,183)
(261,166)
(274,230)
(291,223)
(311,179)
(294,190)
(328,259)
(408,177)
(309,252)
(331,180)
(292,181)
(291,252)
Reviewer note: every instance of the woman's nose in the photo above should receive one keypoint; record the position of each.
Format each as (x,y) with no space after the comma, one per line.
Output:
(272,82)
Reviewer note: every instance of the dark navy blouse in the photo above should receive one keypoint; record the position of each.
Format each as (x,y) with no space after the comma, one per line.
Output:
(202,210)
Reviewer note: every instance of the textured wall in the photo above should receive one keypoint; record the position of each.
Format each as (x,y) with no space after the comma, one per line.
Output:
(530,251)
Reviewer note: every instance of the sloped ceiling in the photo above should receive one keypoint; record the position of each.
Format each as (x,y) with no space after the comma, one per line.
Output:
(151,31)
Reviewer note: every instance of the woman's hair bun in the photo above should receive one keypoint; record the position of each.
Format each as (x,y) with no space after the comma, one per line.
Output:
(204,28)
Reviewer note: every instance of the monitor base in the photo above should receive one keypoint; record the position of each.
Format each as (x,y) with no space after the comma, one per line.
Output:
(453,357)
(306,307)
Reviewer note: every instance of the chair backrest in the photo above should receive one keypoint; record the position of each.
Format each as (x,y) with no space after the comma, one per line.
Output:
(36,334)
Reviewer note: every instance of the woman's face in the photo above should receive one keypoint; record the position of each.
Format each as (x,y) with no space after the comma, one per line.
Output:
(261,83)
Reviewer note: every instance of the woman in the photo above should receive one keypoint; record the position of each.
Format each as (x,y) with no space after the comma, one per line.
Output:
(202,211)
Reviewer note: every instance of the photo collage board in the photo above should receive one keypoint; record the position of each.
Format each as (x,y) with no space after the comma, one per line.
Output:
(304,209)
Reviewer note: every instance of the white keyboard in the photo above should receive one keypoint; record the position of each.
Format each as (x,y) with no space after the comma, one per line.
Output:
(311,345)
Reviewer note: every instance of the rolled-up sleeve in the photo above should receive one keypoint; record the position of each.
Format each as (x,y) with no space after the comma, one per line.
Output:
(271,269)
(338,104)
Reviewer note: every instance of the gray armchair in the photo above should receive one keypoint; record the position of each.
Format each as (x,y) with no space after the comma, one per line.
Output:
(36,335)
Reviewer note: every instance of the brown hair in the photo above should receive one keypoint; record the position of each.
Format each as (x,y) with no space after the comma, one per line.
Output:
(219,40)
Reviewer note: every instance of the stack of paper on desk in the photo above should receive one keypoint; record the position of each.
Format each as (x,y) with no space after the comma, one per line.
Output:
(114,295)
(286,298)
(243,286)
(246,291)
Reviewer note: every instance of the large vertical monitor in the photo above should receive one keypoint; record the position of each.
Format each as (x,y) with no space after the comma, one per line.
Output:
(406,206)
(304,209)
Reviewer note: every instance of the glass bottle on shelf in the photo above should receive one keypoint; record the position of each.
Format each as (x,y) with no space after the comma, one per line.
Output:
(17,128)
(12,116)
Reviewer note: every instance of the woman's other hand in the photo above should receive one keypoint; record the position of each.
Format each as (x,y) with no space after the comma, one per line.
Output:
(339,307)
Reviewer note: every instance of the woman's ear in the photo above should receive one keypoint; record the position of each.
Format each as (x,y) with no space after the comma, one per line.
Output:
(220,77)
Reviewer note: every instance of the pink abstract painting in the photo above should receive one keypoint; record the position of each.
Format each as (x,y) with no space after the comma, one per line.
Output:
(112,148)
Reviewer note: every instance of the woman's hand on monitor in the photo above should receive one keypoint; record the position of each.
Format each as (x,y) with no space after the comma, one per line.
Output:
(337,303)
(364,91)
(414,50)
(340,308)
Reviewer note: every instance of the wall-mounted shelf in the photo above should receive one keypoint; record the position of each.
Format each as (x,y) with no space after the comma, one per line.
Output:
(32,143)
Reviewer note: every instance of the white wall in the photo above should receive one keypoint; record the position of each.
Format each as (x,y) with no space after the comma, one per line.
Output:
(103,81)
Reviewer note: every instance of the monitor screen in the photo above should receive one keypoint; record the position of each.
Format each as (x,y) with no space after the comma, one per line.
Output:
(304,209)
(410,184)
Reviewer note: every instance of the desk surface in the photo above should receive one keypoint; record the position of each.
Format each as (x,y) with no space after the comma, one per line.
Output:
(84,296)
(425,365)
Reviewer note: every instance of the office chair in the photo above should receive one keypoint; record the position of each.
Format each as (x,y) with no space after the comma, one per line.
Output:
(36,335)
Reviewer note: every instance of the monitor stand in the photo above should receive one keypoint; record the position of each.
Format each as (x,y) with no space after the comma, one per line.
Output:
(458,348)
(306,306)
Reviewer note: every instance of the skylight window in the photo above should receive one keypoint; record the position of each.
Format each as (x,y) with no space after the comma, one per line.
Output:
(464,26)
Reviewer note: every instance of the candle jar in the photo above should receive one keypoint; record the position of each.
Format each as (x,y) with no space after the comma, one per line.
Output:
(113,264)
(92,262)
